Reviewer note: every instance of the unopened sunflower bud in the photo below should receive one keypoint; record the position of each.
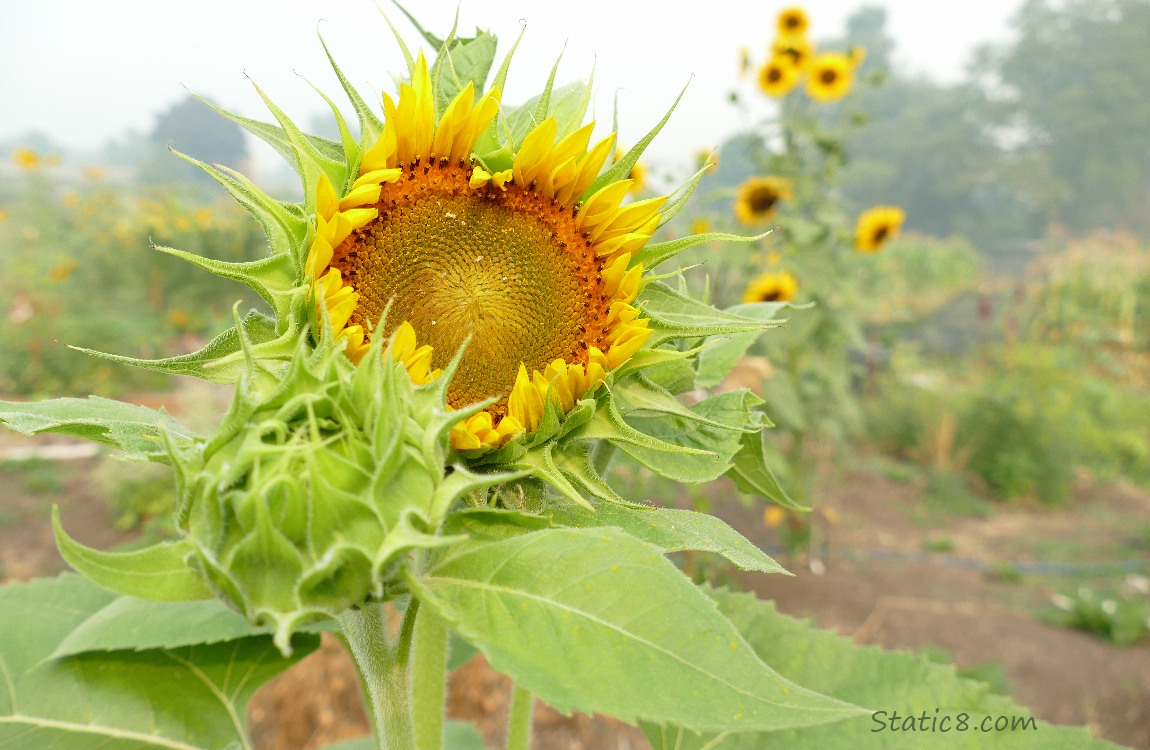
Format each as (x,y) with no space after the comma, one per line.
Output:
(305,501)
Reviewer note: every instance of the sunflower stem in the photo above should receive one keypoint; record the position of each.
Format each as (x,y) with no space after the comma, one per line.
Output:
(428,679)
(519,722)
(383,671)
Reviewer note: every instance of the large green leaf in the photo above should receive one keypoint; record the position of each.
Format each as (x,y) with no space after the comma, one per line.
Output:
(675,315)
(869,676)
(751,473)
(136,430)
(457,735)
(188,698)
(595,620)
(670,529)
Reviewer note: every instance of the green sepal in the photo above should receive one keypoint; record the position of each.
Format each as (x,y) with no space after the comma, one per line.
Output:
(370,126)
(272,278)
(671,530)
(750,472)
(675,315)
(623,167)
(278,139)
(136,430)
(682,194)
(311,160)
(407,57)
(575,463)
(462,481)
(712,447)
(638,396)
(608,424)
(158,573)
(284,229)
(655,253)
(351,149)
(221,360)
(645,359)
(541,464)
(716,361)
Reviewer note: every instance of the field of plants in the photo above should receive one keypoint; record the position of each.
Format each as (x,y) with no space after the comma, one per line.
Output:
(916,375)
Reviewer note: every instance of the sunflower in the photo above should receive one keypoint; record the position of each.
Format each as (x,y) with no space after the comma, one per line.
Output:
(537,283)
(778,77)
(744,61)
(757,198)
(830,76)
(877,225)
(794,47)
(772,286)
(793,21)
(26,158)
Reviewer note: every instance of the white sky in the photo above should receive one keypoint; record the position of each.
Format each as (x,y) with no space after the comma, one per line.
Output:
(83,72)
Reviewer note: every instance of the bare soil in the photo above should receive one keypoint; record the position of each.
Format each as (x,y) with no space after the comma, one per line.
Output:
(870,576)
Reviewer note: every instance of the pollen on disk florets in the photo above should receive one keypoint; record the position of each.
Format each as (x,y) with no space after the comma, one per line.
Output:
(535,276)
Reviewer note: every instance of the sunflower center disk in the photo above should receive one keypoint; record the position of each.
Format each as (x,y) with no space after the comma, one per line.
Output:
(506,268)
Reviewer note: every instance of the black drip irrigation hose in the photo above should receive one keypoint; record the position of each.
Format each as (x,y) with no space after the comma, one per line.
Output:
(1039,568)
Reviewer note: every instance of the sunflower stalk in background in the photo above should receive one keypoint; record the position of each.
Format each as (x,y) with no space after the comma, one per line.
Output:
(814,249)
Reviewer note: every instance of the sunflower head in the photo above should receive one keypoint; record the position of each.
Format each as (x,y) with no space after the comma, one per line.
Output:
(793,21)
(876,226)
(527,266)
(778,76)
(830,77)
(772,286)
(795,48)
(758,197)
(26,159)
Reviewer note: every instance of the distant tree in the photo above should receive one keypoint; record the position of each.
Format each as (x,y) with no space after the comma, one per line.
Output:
(193,128)
(926,147)
(1072,93)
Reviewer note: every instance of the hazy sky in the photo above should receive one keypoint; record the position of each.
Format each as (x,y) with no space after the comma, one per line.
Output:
(83,72)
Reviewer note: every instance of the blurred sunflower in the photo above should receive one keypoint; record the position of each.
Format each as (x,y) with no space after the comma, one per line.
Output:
(26,158)
(778,77)
(830,77)
(744,61)
(757,198)
(772,286)
(536,282)
(793,21)
(876,226)
(637,175)
(794,47)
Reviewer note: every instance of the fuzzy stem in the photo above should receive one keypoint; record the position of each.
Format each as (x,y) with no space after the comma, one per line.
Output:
(383,672)
(519,723)
(429,679)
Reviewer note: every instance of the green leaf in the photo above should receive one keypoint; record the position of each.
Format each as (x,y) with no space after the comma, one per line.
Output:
(136,430)
(638,396)
(751,474)
(670,529)
(188,698)
(157,573)
(716,360)
(868,676)
(596,621)
(466,60)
